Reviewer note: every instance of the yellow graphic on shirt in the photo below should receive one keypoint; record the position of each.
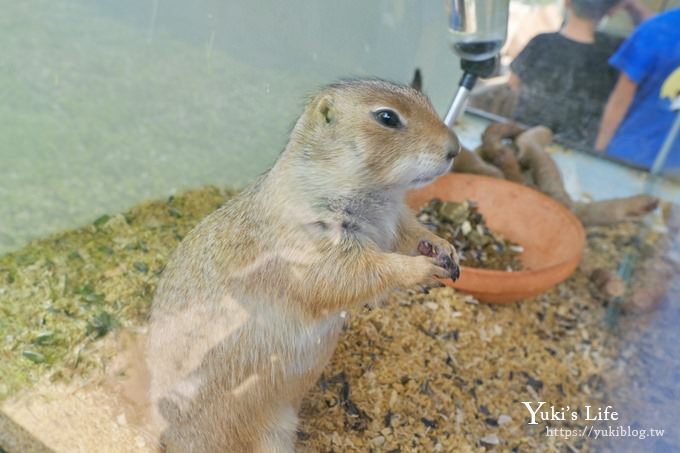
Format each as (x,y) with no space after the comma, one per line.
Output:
(671,87)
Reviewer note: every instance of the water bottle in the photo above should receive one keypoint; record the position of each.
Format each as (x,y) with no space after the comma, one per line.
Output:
(478,28)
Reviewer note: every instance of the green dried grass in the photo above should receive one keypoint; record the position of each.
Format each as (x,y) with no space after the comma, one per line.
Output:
(60,294)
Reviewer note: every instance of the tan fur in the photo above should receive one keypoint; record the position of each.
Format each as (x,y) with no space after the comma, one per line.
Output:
(250,307)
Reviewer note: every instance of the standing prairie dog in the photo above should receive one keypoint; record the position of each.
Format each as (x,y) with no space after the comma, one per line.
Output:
(250,306)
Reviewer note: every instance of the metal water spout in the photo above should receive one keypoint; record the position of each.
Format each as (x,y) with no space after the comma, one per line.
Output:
(477,31)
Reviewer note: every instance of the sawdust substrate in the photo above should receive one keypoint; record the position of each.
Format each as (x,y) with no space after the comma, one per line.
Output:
(424,372)
(439,372)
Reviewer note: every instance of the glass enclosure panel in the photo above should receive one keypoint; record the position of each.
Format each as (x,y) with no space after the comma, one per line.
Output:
(108,103)
(125,123)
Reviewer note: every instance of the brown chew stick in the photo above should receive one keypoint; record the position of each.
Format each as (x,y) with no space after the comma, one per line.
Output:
(542,168)
(607,212)
(608,283)
(469,162)
(548,179)
(496,153)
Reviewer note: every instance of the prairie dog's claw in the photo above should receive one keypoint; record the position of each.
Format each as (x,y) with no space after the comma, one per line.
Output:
(451,266)
(445,257)
(455,272)
(446,261)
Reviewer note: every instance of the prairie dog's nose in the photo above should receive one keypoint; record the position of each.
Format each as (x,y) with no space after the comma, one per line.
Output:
(452,147)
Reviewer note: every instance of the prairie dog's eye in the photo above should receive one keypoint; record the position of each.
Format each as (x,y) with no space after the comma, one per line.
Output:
(388,118)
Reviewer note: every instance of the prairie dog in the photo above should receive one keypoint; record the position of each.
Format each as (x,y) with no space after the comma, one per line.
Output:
(249,308)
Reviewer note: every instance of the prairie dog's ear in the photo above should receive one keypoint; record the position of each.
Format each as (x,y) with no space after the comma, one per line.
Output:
(326,109)
(417,82)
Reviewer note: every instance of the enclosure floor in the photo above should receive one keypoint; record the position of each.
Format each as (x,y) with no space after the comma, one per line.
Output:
(424,372)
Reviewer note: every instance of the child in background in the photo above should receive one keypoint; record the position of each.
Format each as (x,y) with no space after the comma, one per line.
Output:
(636,120)
(563,78)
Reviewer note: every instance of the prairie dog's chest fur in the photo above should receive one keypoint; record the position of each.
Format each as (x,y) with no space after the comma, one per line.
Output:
(372,215)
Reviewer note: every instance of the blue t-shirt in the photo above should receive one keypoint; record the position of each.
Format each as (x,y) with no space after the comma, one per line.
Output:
(648,57)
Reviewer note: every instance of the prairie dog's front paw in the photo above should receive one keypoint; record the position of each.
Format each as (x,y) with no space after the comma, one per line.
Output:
(445,254)
(421,270)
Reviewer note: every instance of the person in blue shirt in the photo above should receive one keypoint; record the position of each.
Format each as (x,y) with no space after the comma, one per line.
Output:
(636,119)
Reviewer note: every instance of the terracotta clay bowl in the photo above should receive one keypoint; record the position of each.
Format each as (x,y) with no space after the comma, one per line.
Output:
(552,237)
